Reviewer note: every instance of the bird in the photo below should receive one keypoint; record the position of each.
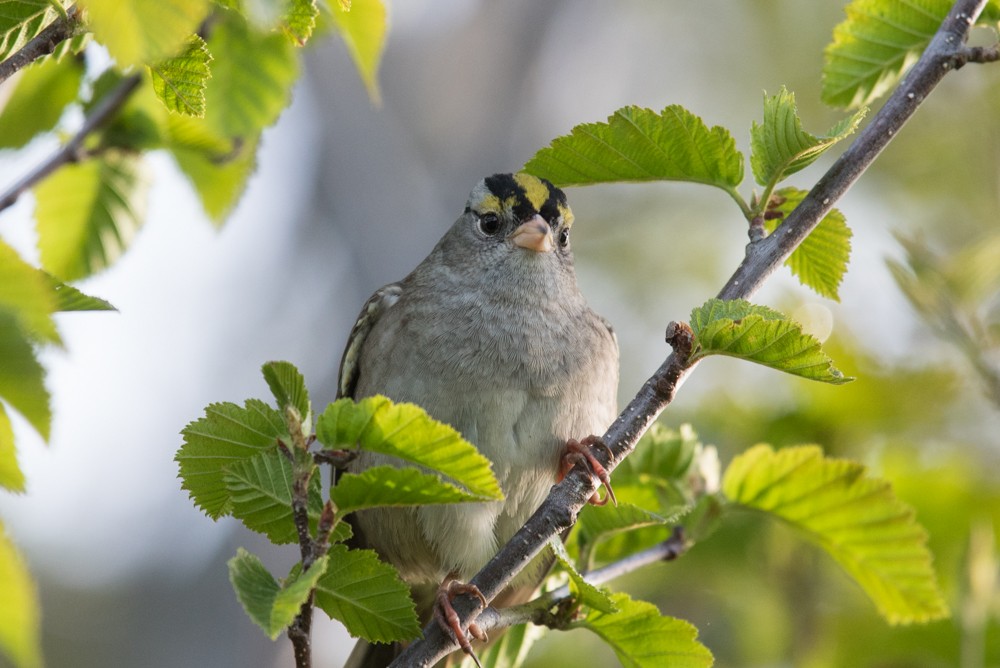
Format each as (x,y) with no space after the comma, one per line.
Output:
(491,335)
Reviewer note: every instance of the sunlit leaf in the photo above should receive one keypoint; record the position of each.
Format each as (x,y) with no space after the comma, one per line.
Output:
(88,212)
(390,486)
(637,144)
(20,616)
(144,31)
(820,261)
(11,476)
(260,491)
(600,523)
(226,435)
(363,25)
(180,81)
(780,147)
(27,296)
(367,596)
(642,638)
(758,334)
(68,298)
(406,431)
(584,592)
(38,100)
(271,605)
(856,519)
(22,20)
(299,20)
(872,48)
(288,387)
(22,378)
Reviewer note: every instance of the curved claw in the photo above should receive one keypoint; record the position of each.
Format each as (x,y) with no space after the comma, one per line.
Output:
(581,450)
(447,618)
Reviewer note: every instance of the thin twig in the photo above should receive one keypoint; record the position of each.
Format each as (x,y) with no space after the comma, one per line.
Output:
(946,52)
(71,151)
(42,44)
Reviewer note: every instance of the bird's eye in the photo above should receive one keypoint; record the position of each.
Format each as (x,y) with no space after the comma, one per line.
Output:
(489,224)
(564,237)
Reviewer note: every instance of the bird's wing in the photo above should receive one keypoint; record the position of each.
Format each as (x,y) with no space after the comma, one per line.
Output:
(376,305)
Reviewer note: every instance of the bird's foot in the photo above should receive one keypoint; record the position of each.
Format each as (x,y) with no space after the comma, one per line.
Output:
(582,451)
(447,618)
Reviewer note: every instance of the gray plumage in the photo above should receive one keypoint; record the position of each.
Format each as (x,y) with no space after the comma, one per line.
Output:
(491,335)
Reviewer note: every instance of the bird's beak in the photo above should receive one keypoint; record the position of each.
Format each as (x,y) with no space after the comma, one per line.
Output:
(534,234)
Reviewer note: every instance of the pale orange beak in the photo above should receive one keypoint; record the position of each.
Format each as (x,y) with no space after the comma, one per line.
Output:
(534,234)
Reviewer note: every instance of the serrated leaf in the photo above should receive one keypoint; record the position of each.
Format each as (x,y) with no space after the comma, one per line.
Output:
(41,95)
(758,334)
(406,431)
(20,614)
(87,213)
(26,295)
(217,167)
(391,486)
(820,261)
(180,81)
(22,20)
(367,596)
(141,32)
(252,77)
(363,26)
(228,434)
(271,605)
(11,476)
(642,638)
(68,298)
(638,144)
(873,47)
(22,378)
(300,20)
(584,592)
(288,387)
(779,146)
(856,519)
(260,491)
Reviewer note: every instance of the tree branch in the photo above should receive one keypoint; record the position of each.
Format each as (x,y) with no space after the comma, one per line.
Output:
(43,44)
(71,151)
(946,52)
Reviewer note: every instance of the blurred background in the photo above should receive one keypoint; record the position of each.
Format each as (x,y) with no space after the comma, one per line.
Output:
(349,197)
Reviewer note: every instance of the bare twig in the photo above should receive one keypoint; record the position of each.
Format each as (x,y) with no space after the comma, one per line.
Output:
(71,151)
(43,44)
(946,52)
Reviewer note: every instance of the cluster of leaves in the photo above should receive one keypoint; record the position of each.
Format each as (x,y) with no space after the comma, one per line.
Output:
(198,79)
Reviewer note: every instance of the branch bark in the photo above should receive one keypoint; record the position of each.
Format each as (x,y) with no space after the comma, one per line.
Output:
(947,51)
(43,44)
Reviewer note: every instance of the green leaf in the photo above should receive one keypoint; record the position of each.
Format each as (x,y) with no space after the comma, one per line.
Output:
(779,146)
(601,523)
(252,77)
(300,20)
(22,378)
(39,99)
(260,491)
(20,614)
(367,596)
(27,296)
(406,431)
(391,486)
(584,592)
(638,144)
(228,434)
(11,476)
(87,213)
(288,387)
(68,298)
(820,261)
(363,26)
(856,519)
(141,32)
(271,605)
(217,167)
(758,334)
(180,81)
(22,20)
(510,651)
(641,637)
(873,47)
